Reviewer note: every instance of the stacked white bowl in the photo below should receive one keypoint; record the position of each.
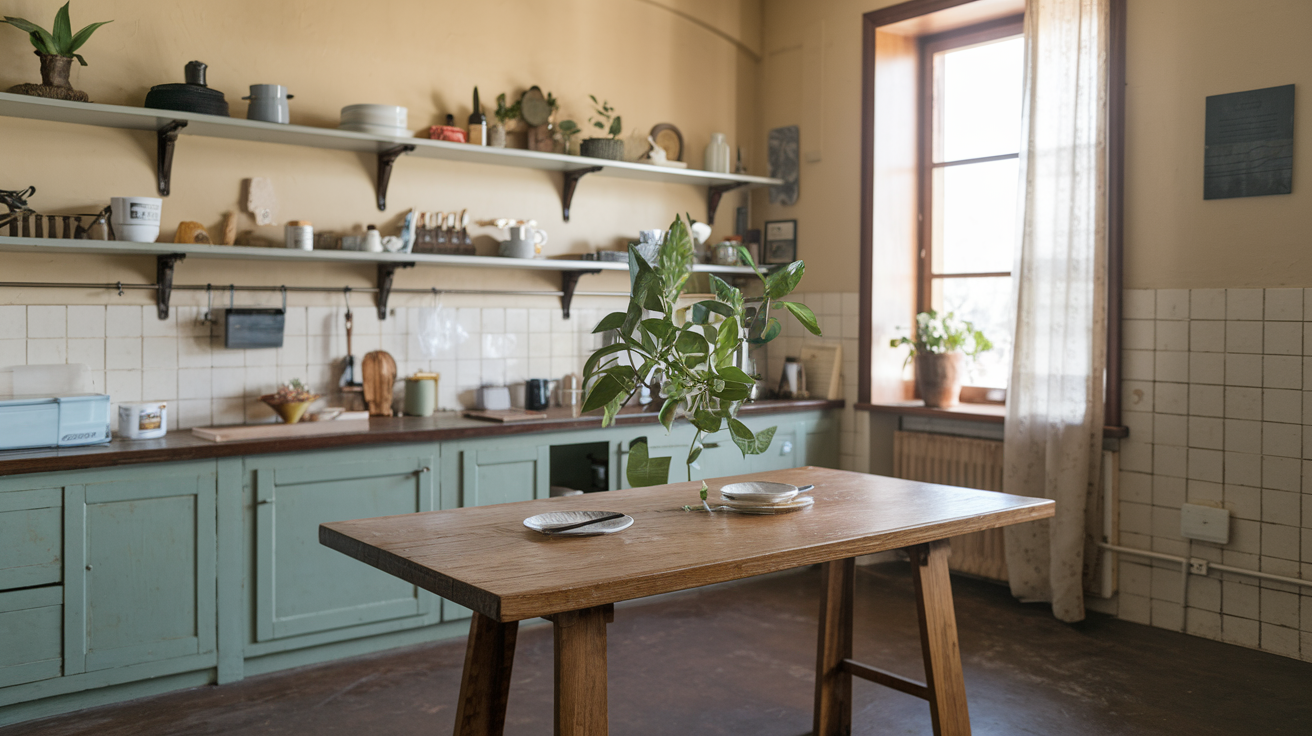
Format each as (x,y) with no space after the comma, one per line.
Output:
(375,119)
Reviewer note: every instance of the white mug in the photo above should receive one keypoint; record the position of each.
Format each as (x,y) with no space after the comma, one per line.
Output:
(136,219)
(524,242)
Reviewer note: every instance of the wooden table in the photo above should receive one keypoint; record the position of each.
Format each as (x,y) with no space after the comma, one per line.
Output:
(485,559)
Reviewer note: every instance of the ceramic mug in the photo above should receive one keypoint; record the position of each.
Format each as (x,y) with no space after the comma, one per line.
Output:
(268,103)
(524,242)
(135,219)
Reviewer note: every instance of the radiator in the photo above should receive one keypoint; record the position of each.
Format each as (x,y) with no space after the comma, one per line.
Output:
(958,461)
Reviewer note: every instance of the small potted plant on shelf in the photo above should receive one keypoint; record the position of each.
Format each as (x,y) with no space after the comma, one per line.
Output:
(695,350)
(568,129)
(505,114)
(57,48)
(939,351)
(605,120)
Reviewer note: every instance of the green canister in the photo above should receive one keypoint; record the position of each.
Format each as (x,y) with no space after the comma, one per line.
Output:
(421,394)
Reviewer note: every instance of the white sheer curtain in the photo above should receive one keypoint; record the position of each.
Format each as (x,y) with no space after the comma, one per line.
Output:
(1055,402)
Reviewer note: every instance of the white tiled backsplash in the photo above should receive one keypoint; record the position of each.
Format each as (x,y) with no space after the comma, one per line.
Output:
(134,356)
(1217,392)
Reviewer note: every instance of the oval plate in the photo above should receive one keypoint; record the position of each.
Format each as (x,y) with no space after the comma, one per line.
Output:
(749,507)
(759,492)
(542,523)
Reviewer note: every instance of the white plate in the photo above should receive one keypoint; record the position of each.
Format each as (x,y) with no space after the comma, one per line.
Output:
(759,491)
(542,523)
(747,507)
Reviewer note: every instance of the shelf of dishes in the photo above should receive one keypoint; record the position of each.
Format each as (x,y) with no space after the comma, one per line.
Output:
(169,124)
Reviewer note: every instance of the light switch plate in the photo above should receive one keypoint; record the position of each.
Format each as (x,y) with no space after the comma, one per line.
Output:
(1205,523)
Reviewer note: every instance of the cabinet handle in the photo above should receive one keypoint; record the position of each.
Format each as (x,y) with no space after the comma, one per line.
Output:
(424,469)
(263,501)
(88,568)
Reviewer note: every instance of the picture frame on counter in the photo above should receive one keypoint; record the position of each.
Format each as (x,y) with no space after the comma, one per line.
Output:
(780,242)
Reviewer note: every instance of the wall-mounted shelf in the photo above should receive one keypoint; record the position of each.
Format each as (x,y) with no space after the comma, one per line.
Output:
(168,254)
(170,125)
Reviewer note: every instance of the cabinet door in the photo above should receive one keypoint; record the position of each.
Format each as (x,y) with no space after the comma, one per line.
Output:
(32,522)
(303,587)
(139,585)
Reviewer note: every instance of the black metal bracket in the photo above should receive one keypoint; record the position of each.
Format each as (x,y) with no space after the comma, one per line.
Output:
(569,281)
(385,161)
(385,273)
(567,197)
(164,281)
(167,136)
(713,195)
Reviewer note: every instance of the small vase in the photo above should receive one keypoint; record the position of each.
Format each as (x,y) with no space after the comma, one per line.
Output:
(54,81)
(938,378)
(717,155)
(496,135)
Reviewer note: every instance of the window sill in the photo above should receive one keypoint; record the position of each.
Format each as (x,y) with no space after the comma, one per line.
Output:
(989,413)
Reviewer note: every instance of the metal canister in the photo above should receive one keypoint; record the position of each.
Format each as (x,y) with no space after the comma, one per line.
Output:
(300,234)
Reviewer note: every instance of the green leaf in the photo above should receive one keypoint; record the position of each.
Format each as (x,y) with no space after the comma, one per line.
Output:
(736,374)
(603,392)
(701,311)
(730,295)
(729,338)
(733,392)
(668,410)
(745,256)
(782,282)
(771,331)
(631,319)
(704,490)
(750,444)
(62,31)
(596,357)
(659,328)
(613,408)
(612,321)
(615,127)
(80,60)
(83,35)
(644,470)
(694,452)
(40,34)
(710,333)
(804,315)
(706,421)
(690,343)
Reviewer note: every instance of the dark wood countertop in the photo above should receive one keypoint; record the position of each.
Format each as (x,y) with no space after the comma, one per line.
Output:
(183,445)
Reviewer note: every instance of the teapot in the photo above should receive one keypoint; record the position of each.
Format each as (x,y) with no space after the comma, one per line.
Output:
(524,241)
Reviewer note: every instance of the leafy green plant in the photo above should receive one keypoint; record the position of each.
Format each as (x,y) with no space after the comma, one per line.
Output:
(945,334)
(506,113)
(60,39)
(691,350)
(568,129)
(603,118)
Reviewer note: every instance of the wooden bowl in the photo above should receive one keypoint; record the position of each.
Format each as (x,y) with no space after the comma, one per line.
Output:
(291,411)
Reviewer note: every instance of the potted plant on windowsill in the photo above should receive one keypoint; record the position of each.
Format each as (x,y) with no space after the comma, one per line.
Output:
(693,357)
(939,350)
(605,120)
(57,48)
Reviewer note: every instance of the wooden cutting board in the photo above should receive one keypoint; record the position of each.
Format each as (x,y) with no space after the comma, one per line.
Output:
(379,371)
(506,415)
(246,432)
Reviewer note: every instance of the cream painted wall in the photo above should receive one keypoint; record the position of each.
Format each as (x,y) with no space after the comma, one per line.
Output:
(695,64)
(1179,52)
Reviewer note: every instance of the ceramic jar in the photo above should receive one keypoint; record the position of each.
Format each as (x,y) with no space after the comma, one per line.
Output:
(717,155)
(268,103)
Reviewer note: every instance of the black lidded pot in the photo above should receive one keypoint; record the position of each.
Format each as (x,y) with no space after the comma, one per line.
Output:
(193,96)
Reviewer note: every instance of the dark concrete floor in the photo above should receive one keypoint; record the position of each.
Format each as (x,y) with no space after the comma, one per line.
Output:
(738,659)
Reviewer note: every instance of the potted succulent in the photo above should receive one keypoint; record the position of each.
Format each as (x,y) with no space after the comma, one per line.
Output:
(695,357)
(505,114)
(605,120)
(57,48)
(939,351)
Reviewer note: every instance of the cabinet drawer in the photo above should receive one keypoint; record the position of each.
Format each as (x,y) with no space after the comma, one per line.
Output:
(31,627)
(32,523)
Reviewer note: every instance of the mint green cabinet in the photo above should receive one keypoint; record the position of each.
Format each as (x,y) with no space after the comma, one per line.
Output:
(31,629)
(303,593)
(140,568)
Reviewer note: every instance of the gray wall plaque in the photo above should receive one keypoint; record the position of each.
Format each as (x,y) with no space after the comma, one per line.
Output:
(1249,144)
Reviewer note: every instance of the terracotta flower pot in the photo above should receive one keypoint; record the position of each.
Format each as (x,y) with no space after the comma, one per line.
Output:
(938,378)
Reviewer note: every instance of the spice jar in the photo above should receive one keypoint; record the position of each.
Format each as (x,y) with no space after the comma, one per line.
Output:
(299,234)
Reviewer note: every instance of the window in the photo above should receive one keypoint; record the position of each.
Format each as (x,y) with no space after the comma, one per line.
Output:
(969,163)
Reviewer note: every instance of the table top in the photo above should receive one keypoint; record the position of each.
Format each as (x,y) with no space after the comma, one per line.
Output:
(484,558)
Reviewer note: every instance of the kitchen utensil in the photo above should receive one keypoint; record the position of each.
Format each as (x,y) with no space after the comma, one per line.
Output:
(135,218)
(543,522)
(421,394)
(464,228)
(193,96)
(143,420)
(505,416)
(525,241)
(379,372)
(349,377)
(556,528)
(253,327)
(246,433)
(268,103)
(537,394)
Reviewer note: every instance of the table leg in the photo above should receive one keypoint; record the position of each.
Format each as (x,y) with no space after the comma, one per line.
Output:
(833,685)
(485,684)
(938,639)
(580,642)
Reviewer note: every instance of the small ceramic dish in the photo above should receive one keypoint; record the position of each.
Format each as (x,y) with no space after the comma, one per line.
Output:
(543,523)
(751,507)
(760,492)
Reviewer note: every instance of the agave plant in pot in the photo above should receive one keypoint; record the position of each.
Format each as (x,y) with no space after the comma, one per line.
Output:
(57,48)
(691,348)
(939,351)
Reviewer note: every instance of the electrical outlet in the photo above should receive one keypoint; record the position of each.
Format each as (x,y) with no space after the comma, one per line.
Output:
(1197,566)
(786,447)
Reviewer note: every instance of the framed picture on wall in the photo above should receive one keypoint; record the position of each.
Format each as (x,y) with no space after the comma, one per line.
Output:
(780,242)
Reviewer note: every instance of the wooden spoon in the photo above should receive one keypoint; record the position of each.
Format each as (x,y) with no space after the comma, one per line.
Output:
(379,369)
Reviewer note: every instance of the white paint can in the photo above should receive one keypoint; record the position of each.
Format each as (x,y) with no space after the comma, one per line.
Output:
(143,420)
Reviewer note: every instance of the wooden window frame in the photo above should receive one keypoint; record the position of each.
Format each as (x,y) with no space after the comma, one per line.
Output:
(916,9)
